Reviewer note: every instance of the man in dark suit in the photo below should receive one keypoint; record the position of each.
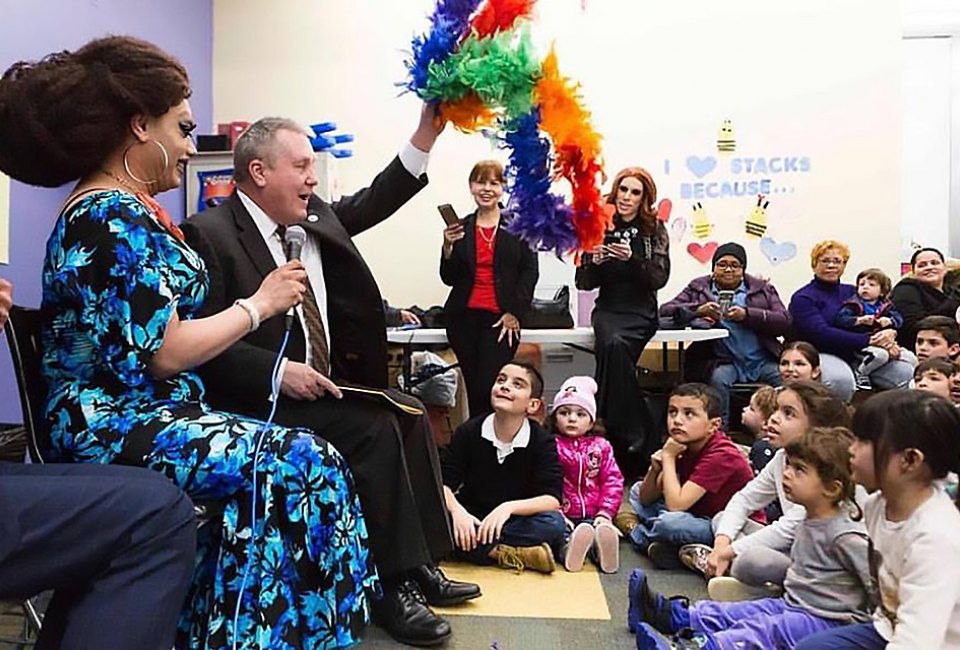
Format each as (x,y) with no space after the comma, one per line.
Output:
(116,544)
(338,336)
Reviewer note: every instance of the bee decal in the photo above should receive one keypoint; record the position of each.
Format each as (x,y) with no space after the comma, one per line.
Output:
(757,219)
(701,223)
(726,139)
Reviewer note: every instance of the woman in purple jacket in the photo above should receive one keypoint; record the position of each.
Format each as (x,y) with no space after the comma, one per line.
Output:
(745,305)
(814,307)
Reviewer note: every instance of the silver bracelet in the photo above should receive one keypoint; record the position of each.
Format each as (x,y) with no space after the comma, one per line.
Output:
(252,312)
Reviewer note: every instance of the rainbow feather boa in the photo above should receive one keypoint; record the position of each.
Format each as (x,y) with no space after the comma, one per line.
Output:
(479,64)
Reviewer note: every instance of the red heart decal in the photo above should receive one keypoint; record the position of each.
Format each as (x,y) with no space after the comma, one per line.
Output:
(702,254)
(663,210)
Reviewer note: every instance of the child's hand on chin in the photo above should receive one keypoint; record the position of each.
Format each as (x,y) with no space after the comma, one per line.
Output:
(673,448)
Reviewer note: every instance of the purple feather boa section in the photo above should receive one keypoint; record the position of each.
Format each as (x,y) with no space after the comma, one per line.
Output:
(542,219)
(450,20)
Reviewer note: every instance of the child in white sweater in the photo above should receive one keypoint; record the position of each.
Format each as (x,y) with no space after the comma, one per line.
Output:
(906,442)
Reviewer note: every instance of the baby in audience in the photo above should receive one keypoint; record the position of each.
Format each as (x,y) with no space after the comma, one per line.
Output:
(906,444)
(757,556)
(869,311)
(827,583)
(502,480)
(690,479)
(937,336)
(934,375)
(592,482)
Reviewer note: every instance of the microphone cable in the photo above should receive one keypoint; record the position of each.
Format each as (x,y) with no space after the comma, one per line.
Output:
(275,381)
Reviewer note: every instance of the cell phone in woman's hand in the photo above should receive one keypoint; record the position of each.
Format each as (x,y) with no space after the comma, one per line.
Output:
(449,214)
(725,299)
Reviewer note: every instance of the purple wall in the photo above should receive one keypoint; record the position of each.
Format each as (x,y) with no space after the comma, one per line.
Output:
(29,30)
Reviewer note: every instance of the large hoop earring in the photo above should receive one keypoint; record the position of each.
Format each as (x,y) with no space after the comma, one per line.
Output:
(126,163)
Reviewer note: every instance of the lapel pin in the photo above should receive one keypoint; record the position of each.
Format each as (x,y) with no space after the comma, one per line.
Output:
(312,218)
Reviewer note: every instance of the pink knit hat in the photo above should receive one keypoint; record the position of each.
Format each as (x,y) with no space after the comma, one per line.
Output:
(578,391)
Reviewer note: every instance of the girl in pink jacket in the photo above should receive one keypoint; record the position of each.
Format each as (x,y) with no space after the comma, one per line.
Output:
(592,482)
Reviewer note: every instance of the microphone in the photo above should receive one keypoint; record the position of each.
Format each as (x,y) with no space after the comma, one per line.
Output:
(294,238)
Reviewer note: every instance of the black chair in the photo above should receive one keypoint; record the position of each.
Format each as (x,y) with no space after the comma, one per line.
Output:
(23,338)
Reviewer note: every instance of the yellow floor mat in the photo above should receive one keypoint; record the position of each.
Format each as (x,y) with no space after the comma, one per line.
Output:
(530,594)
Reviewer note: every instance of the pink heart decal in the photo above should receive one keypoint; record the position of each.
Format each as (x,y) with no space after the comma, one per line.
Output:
(702,254)
(663,210)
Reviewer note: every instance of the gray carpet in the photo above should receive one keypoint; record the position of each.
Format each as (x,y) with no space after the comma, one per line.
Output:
(487,633)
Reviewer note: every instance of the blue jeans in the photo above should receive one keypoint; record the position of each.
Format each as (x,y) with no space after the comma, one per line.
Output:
(533,530)
(850,637)
(725,376)
(657,524)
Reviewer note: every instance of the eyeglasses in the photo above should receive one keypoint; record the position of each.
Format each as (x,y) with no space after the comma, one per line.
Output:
(627,190)
(832,261)
(729,266)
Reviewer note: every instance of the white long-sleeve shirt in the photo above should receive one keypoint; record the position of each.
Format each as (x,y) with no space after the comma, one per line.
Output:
(918,574)
(756,495)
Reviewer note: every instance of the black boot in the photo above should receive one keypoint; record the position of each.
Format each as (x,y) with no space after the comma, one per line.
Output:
(441,591)
(404,614)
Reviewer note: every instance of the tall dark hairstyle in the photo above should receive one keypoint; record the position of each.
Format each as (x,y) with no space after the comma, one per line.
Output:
(61,117)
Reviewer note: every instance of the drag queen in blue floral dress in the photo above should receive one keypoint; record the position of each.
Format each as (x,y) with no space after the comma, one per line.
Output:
(118,281)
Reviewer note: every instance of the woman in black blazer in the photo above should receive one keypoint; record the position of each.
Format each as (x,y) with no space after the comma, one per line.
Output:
(629,267)
(492,274)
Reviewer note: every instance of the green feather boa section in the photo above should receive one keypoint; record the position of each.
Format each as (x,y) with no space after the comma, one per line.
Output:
(502,70)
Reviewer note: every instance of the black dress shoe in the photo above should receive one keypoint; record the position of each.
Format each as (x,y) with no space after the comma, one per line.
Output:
(440,590)
(404,614)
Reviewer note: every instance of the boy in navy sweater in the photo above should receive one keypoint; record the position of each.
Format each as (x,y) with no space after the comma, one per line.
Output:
(502,479)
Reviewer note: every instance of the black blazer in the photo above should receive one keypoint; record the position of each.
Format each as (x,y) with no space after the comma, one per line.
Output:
(238,260)
(515,270)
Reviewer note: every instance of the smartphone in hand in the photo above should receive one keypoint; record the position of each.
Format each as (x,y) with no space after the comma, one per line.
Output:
(449,214)
(725,299)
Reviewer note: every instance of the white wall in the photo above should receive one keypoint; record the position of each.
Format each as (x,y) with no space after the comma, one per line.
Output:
(816,79)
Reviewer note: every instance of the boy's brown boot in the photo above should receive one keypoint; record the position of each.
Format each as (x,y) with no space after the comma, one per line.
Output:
(626,521)
(539,558)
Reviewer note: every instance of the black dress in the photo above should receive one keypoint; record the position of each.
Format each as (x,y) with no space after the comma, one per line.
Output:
(624,320)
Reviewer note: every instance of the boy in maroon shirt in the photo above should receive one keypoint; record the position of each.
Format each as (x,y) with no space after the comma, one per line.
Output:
(690,479)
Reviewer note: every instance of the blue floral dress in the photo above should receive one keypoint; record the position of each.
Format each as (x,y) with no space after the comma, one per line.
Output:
(111,280)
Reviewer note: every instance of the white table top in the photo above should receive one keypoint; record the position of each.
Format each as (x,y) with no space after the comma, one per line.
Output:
(576,336)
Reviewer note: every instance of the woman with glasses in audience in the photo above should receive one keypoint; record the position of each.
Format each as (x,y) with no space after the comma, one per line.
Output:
(751,311)
(813,308)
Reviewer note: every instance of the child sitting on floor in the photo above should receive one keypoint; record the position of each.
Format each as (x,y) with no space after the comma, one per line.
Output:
(826,586)
(502,480)
(937,336)
(906,444)
(758,555)
(934,375)
(592,482)
(690,479)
